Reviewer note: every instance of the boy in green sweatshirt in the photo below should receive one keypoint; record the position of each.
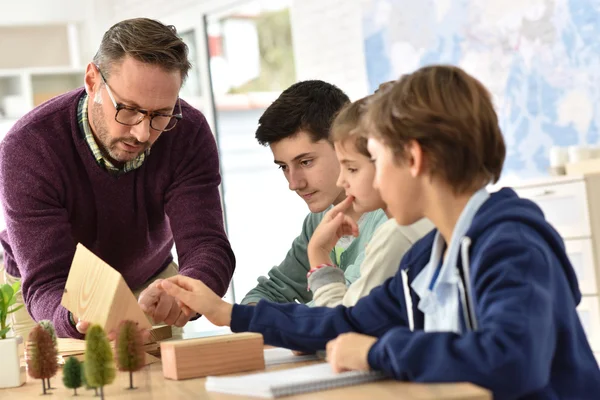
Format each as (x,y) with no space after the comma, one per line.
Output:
(296,128)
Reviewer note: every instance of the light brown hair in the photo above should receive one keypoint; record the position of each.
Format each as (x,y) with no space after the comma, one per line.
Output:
(450,115)
(146,40)
(347,125)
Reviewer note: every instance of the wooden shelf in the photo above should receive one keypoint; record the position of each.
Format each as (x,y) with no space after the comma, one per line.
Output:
(42,77)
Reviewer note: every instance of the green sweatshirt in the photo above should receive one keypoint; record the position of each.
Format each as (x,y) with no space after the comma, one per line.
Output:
(287,281)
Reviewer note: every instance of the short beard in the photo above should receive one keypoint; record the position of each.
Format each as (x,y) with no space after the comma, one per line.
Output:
(102,137)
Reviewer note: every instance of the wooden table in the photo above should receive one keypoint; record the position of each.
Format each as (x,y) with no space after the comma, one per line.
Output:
(152,385)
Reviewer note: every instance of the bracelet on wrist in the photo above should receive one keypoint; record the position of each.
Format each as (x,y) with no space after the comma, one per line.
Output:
(316,268)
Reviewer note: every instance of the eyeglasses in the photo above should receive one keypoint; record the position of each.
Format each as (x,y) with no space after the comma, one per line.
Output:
(131,116)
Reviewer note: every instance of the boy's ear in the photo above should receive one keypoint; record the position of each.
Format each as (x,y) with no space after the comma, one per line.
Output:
(415,158)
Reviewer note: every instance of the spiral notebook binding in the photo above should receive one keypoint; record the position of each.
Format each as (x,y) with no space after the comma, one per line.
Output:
(324,384)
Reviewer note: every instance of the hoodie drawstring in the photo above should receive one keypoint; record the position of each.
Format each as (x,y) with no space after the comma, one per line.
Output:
(464,286)
(407,299)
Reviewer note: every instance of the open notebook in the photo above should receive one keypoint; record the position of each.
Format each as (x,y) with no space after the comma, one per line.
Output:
(280,356)
(289,381)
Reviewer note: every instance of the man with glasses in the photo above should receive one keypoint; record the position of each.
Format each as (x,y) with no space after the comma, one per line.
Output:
(123,166)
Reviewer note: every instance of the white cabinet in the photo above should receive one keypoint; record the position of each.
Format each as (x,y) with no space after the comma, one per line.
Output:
(572,205)
(564,205)
(581,254)
(590,319)
(44,62)
(23,89)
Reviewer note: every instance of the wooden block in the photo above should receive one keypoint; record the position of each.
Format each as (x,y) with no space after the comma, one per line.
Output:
(68,347)
(218,355)
(97,293)
(159,333)
(152,349)
(148,358)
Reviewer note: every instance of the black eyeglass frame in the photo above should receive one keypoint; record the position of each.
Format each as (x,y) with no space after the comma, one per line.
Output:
(145,113)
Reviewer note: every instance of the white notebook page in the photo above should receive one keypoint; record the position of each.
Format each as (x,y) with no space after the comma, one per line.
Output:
(288,381)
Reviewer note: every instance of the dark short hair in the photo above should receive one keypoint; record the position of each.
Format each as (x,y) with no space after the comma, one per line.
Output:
(308,106)
(450,114)
(145,40)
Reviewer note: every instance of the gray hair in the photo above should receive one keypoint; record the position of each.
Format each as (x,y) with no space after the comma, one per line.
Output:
(146,40)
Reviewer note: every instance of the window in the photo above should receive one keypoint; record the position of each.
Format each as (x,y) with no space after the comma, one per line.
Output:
(251,63)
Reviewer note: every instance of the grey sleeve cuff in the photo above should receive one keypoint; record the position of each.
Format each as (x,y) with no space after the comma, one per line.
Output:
(325,276)
(251,299)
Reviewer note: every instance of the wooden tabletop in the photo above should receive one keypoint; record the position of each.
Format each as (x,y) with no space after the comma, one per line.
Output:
(152,385)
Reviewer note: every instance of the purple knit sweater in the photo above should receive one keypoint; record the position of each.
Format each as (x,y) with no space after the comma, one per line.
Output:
(55,195)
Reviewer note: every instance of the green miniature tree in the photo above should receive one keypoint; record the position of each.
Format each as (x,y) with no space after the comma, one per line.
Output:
(8,298)
(99,361)
(130,349)
(42,360)
(72,374)
(49,327)
(84,381)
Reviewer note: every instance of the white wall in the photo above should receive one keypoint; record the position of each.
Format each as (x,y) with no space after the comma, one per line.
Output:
(28,12)
(328,43)
(83,14)
(162,10)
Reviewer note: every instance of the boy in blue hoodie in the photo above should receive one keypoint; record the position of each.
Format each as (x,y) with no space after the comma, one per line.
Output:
(493,292)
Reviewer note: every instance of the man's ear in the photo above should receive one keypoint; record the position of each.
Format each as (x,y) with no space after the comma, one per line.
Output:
(91,80)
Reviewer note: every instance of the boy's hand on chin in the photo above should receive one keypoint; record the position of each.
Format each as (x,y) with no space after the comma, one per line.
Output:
(333,226)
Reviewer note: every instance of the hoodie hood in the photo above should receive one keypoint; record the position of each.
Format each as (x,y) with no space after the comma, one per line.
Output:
(504,206)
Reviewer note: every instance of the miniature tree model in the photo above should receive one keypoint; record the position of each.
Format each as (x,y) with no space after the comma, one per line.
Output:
(130,349)
(8,297)
(72,374)
(49,327)
(41,355)
(99,361)
(84,381)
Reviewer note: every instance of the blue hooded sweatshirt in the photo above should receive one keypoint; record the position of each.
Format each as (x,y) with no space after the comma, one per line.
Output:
(521,336)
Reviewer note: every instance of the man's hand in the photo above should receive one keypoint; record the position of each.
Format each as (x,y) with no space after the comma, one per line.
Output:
(333,226)
(349,352)
(83,326)
(161,307)
(194,295)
